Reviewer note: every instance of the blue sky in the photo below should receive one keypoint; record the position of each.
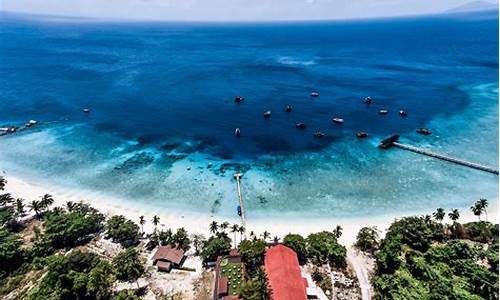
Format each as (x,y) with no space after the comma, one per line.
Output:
(231,10)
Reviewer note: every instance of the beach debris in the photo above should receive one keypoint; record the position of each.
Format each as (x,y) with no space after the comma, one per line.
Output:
(403,113)
(237,132)
(361,134)
(267,114)
(239,99)
(424,131)
(367,100)
(314,94)
(383,112)
(300,125)
(338,120)
(288,108)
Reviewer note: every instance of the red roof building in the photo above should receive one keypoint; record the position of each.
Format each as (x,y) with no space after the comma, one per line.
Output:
(167,257)
(283,272)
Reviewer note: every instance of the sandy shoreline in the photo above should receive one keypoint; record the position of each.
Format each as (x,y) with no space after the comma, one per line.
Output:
(198,222)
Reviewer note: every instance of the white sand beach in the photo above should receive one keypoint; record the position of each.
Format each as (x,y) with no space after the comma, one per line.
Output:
(198,222)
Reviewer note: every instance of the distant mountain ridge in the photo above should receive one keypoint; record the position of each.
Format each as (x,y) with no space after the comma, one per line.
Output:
(473,6)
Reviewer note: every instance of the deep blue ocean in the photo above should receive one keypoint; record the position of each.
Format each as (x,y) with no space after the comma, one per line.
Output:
(162,121)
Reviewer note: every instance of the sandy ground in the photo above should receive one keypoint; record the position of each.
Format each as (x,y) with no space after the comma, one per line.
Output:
(198,222)
(363,266)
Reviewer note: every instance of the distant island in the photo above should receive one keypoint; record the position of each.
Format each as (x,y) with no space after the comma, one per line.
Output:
(473,6)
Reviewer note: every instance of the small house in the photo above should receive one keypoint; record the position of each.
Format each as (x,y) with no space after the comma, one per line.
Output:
(168,257)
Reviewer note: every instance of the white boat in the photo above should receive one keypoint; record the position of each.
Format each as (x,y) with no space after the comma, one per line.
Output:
(237,132)
(383,112)
(367,100)
(86,110)
(338,120)
(403,113)
(31,123)
(267,114)
(314,94)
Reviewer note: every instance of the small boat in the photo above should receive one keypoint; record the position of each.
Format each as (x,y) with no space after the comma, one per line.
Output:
(239,99)
(319,134)
(238,210)
(314,94)
(424,131)
(367,100)
(86,110)
(267,114)
(383,112)
(301,125)
(237,132)
(31,123)
(403,113)
(361,134)
(338,120)
(288,108)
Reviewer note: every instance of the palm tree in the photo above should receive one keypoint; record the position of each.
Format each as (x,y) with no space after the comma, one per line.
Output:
(142,222)
(20,207)
(37,207)
(198,240)
(234,229)
(454,215)
(439,214)
(337,231)
(224,226)
(47,200)
(477,210)
(6,199)
(156,221)
(70,205)
(241,230)
(214,227)
(484,205)
(3,183)
(276,239)
(252,234)
(265,235)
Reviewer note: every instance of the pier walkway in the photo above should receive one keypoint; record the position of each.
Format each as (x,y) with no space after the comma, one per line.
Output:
(445,157)
(237,176)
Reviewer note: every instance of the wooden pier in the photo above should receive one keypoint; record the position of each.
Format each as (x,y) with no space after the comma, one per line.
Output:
(238,176)
(445,157)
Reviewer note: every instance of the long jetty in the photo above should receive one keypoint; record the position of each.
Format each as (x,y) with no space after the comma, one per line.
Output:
(238,176)
(444,157)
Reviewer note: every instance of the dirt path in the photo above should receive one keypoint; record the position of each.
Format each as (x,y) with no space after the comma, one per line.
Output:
(363,267)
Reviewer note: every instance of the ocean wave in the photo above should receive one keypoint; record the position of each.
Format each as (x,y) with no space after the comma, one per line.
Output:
(289,60)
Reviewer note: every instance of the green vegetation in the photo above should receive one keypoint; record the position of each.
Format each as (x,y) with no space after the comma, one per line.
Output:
(252,254)
(423,259)
(234,273)
(256,288)
(73,227)
(216,246)
(299,244)
(78,275)
(323,280)
(323,248)
(123,231)
(128,265)
(367,239)
(179,239)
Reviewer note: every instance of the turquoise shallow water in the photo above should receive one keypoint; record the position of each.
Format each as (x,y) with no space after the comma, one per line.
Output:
(162,112)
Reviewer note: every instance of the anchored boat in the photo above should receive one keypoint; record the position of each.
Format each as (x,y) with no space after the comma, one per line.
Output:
(338,120)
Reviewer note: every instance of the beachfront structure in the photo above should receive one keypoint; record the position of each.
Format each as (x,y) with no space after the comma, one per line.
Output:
(228,276)
(168,257)
(283,272)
